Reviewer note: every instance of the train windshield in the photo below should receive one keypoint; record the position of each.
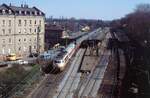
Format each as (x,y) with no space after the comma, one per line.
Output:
(57,61)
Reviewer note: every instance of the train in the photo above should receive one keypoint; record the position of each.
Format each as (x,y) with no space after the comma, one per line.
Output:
(61,60)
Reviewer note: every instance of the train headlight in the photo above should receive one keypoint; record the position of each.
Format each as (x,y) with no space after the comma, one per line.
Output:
(61,65)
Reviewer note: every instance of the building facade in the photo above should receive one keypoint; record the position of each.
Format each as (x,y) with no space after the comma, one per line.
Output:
(53,35)
(22,30)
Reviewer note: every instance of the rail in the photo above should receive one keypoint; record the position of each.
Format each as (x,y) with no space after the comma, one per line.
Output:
(71,79)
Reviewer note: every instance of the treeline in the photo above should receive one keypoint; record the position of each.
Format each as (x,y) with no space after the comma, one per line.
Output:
(136,25)
(74,24)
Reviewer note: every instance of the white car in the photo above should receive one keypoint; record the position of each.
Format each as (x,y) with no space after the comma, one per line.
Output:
(21,62)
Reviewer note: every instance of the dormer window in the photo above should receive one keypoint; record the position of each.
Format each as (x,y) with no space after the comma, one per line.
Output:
(20,12)
(4,11)
(35,13)
(0,11)
(25,12)
(30,13)
(17,12)
(9,11)
(40,13)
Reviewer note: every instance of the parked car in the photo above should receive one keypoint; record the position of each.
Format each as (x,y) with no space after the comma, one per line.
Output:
(21,62)
(33,55)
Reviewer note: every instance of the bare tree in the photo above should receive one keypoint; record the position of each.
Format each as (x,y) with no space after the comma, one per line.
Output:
(143,8)
(137,24)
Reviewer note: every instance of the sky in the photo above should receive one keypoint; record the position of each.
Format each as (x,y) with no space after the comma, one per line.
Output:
(88,9)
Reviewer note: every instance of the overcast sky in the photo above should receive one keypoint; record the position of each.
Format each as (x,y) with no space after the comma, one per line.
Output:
(89,9)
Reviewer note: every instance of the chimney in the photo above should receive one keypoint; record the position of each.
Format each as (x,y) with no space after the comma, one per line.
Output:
(9,4)
(21,5)
(26,6)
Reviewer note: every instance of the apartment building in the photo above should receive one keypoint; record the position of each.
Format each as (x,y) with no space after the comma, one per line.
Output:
(21,29)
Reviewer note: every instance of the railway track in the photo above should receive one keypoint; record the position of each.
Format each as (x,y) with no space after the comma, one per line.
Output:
(72,78)
(48,86)
(92,83)
(72,87)
(65,84)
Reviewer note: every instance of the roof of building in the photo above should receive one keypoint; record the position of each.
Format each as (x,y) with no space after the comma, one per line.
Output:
(53,27)
(23,10)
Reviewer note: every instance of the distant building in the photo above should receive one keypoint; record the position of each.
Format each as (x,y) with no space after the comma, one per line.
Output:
(53,35)
(85,29)
(19,27)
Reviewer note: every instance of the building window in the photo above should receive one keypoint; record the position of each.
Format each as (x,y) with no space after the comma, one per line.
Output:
(9,31)
(35,22)
(20,12)
(19,23)
(24,48)
(17,12)
(34,47)
(30,13)
(9,22)
(30,22)
(3,41)
(35,30)
(19,48)
(9,40)
(25,22)
(25,12)
(4,11)
(39,29)
(25,30)
(24,39)
(40,13)
(3,30)
(9,11)
(0,11)
(3,23)
(35,13)
(19,40)
(40,22)
(19,31)
(9,51)
(30,30)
